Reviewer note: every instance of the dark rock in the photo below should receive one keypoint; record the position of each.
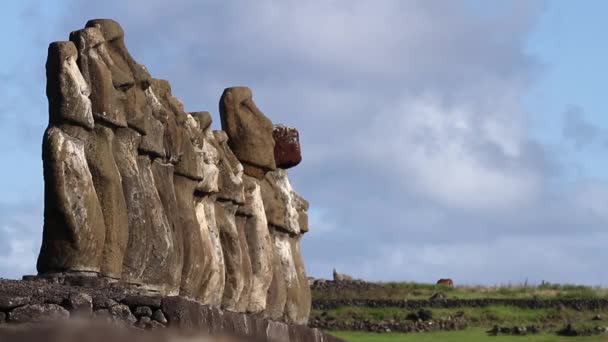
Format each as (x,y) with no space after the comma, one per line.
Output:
(2,317)
(141,311)
(286,146)
(159,316)
(80,303)
(149,301)
(122,313)
(38,313)
(102,302)
(143,322)
(156,325)
(103,315)
(8,302)
(185,314)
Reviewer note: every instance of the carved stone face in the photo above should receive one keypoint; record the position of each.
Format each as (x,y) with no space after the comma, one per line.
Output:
(67,90)
(95,62)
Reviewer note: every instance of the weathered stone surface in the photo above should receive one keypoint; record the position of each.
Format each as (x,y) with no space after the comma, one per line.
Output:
(81,304)
(8,302)
(160,237)
(277,331)
(93,61)
(286,146)
(277,292)
(114,35)
(283,248)
(149,301)
(302,208)
(250,131)
(66,89)
(185,314)
(203,119)
(74,230)
(231,247)
(166,110)
(129,78)
(142,311)
(196,258)
(245,269)
(231,172)
(159,316)
(302,298)
(191,163)
(260,246)
(280,202)
(126,141)
(108,185)
(122,313)
(163,179)
(38,313)
(152,142)
(211,159)
(213,281)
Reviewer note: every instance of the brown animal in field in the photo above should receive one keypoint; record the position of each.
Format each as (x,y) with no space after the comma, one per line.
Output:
(445,281)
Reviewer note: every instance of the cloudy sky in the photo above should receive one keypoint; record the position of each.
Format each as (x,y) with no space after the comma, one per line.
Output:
(461,139)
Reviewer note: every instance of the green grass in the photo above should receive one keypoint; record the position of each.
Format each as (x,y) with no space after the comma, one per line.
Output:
(469,335)
(411,290)
(482,317)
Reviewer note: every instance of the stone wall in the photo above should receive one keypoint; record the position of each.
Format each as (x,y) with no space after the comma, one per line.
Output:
(577,304)
(30,304)
(142,193)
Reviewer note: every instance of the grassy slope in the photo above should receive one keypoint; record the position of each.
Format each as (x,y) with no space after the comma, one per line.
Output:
(410,290)
(481,319)
(469,335)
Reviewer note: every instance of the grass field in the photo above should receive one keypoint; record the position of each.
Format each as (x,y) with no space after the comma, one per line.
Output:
(411,290)
(469,335)
(482,317)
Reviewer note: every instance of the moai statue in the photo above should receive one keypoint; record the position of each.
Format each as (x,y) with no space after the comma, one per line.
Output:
(93,60)
(260,245)
(229,198)
(74,228)
(287,217)
(141,192)
(283,210)
(249,131)
(212,286)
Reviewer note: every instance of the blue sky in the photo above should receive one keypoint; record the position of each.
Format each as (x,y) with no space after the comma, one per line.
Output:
(458,139)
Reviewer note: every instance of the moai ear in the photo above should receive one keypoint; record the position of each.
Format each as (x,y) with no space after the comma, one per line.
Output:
(67,91)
